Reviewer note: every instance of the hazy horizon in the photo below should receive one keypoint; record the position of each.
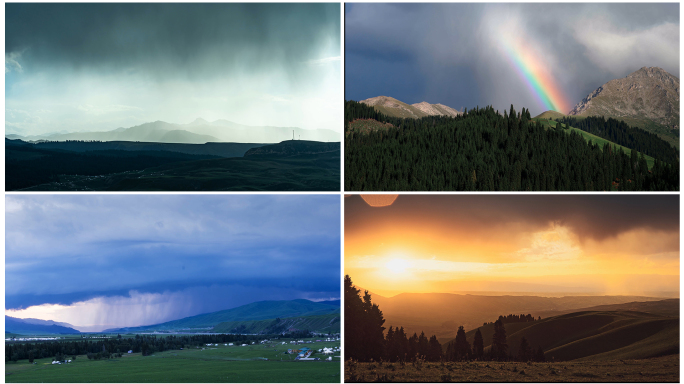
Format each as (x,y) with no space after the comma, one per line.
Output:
(98,67)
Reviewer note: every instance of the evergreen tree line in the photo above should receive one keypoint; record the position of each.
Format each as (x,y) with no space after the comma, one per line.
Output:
(515,319)
(105,348)
(620,133)
(354,110)
(482,150)
(365,340)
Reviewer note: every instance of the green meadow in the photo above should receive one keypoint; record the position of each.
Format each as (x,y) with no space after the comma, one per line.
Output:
(594,139)
(249,364)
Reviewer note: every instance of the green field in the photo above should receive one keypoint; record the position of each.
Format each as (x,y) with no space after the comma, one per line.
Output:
(594,139)
(207,364)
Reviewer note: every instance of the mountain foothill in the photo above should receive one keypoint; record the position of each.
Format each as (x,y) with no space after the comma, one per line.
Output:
(261,317)
(624,136)
(158,156)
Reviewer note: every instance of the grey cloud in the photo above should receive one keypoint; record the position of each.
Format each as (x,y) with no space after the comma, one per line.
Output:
(454,49)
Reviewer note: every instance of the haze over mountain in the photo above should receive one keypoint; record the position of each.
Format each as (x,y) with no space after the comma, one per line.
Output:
(442,313)
(36,326)
(260,310)
(199,131)
(392,107)
(647,96)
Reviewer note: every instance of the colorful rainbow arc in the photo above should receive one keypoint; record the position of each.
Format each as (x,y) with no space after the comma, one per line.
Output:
(538,79)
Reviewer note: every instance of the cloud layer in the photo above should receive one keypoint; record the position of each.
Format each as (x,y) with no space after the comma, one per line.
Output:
(182,255)
(452,53)
(172,62)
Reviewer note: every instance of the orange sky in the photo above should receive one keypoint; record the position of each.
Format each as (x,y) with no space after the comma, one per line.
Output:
(618,245)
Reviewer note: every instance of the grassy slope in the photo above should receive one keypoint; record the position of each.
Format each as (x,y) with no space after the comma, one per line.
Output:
(215,364)
(594,335)
(401,113)
(365,126)
(645,124)
(320,323)
(595,139)
(260,310)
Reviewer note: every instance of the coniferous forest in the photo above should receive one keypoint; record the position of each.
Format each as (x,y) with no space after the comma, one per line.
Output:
(482,150)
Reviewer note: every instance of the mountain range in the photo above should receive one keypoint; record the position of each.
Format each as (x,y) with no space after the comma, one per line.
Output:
(392,107)
(199,131)
(261,310)
(442,313)
(37,327)
(647,98)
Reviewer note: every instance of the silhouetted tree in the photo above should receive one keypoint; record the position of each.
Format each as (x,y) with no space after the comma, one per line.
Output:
(478,345)
(499,343)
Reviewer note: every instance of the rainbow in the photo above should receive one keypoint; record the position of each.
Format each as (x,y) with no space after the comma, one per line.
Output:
(527,62)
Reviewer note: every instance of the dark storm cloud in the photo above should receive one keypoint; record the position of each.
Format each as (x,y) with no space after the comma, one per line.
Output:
(168,37)
(450,53)
(590,217)
(213,251)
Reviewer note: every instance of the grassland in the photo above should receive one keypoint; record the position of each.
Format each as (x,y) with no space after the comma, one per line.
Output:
(594,139)
(254,363)
(660,369)
(365,126)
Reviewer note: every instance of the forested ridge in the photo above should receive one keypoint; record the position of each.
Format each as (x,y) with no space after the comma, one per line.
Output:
(482,150)
(620,133)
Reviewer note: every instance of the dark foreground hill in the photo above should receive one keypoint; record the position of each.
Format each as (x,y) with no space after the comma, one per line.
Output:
(261,310)
(39,327)
(593,335)
(31,169)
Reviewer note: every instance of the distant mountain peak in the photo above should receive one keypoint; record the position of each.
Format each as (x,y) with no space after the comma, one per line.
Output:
(392,107)
(646,96)
(199,121)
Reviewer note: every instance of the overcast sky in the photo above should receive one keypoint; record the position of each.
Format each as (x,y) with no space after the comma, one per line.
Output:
(75,67)
(455,54)
(627,244)
(102,261)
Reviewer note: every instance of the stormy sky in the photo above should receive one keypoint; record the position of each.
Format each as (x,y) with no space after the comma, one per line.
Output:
(455,54)
(626,244)
(102,261)
(77,67)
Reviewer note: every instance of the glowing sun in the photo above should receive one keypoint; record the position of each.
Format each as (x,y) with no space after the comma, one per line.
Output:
(397,265)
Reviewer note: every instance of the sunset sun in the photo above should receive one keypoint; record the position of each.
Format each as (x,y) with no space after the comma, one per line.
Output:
(397,265)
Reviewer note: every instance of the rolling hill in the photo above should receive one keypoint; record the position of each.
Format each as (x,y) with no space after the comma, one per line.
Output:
(328,323)
(647,98)
(198,132)
(211,149)
(37,327)
(442,313)
(302,166)
(634,330)
(261,310)
(390,106)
